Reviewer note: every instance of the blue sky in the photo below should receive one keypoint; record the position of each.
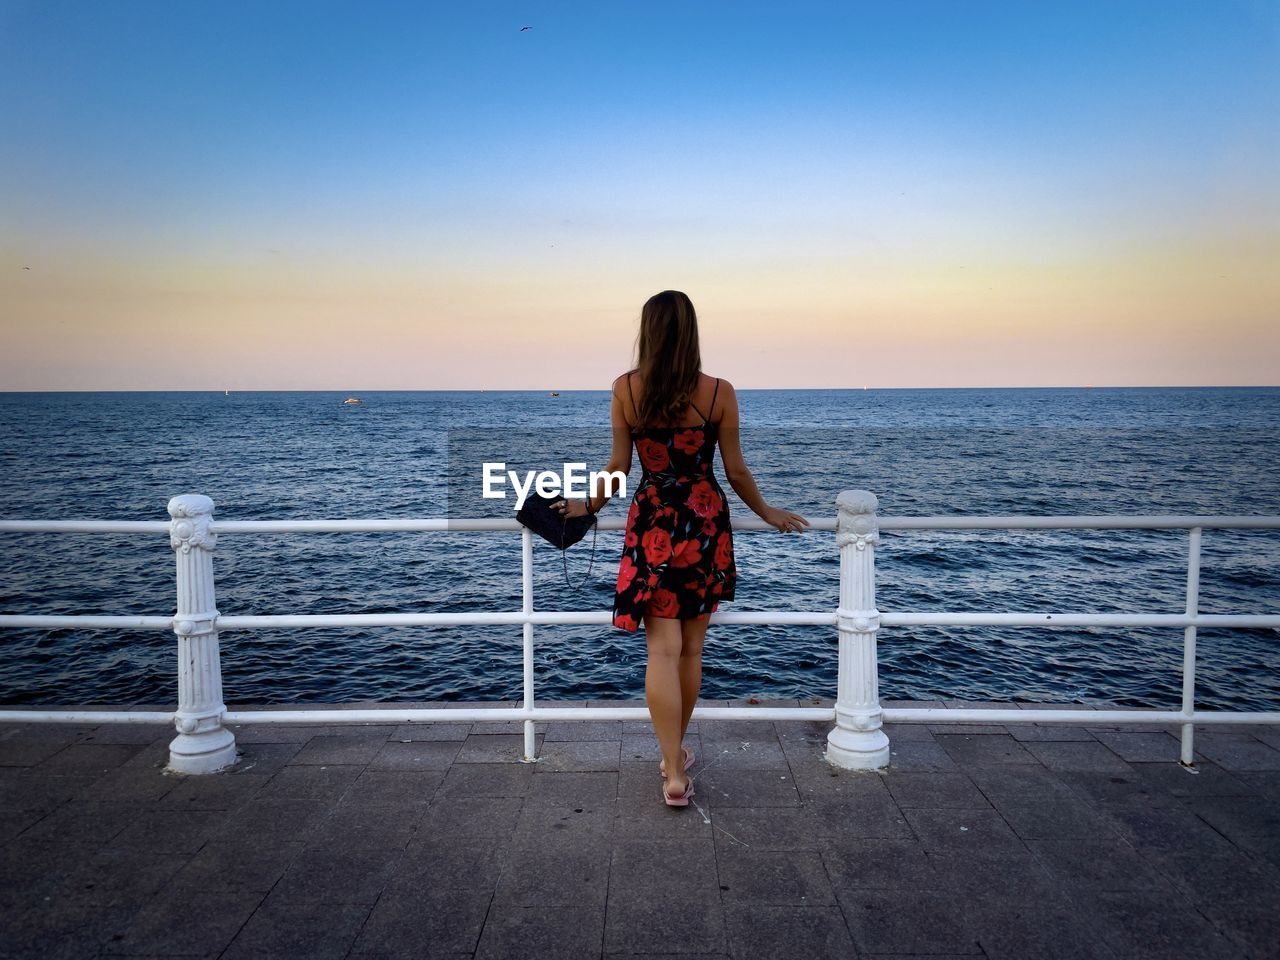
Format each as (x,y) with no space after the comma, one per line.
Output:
(152,149)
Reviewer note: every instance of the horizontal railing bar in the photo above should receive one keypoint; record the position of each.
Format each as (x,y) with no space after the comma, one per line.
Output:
(1082,718)
(1085,718)
(85,716)
(604,617)
(795,618)
(416,714)
(492,524)
(477,714)
(459,619)
(510,524)
(406,525)
(1081,522)
(85,526)
(1078,620)
(559,618)
(86,621)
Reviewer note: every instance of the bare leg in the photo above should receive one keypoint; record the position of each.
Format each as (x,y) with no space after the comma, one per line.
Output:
(693,633)
(662,690)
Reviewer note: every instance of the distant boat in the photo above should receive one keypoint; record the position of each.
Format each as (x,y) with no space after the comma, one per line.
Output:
(555,393)
(353,400)
(226,392)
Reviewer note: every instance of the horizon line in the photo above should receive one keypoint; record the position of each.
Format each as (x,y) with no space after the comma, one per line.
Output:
(865,389)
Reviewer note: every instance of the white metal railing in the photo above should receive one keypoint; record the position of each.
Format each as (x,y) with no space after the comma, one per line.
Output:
(203,744)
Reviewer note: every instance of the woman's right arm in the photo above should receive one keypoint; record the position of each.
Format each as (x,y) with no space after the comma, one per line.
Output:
(619,461)
(738,474)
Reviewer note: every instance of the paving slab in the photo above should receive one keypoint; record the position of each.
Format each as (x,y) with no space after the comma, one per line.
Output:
(772,877)
(911,920)
(857,863)
(1153,925)
(182,920)
(566,872)
(424,923)
(579,755)
(934,788)
(785,932)
(1233,751)
(569,932)
(289,928)
(695,922)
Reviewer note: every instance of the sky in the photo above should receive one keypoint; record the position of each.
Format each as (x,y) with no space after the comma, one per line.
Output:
(348,196)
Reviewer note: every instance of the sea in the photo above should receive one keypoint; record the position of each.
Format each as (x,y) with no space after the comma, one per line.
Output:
(416,454)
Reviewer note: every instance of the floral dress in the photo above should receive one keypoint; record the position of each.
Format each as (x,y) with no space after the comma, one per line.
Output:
(677,555)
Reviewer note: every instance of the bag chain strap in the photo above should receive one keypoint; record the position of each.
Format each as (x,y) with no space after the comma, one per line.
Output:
(595,529)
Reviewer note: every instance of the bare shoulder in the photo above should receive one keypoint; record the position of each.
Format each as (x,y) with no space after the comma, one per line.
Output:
(620,381)
(725,398)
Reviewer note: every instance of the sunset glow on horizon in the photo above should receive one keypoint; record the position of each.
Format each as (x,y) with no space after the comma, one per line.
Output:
(395,196)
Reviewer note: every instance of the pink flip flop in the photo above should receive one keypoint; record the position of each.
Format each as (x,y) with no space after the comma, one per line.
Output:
(680,801)
(688,762)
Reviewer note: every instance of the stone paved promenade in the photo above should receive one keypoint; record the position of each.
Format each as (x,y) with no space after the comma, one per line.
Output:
(431,840)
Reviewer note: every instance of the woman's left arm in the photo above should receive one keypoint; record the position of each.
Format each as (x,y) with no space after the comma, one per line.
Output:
(619,460)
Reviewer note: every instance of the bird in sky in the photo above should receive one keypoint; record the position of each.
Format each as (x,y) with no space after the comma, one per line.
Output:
(523,29)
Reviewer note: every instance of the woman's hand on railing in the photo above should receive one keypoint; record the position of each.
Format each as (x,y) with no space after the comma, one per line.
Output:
(784,520)
(571,508)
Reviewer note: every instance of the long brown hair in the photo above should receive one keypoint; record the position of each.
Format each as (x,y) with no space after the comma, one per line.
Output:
(667,357)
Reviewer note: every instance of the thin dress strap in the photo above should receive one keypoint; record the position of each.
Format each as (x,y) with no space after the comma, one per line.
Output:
(706,417)
(712,410)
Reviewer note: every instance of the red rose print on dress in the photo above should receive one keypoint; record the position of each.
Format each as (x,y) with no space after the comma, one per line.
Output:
(657,546)
(724,551)
(626,573)
(685,553)
(703,499)
(688,441)
(664,604)
(653,455)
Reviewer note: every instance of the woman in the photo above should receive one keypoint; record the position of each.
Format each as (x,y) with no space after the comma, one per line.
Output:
(677,558)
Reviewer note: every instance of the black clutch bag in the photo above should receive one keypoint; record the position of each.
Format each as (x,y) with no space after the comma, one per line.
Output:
(551,525)
(558,530)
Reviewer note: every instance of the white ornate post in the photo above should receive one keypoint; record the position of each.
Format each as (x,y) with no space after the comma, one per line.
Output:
(857,742)
(202,745)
